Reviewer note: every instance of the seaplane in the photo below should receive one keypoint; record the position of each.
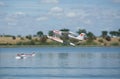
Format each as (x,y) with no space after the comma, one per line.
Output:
(71,35)
(24,56)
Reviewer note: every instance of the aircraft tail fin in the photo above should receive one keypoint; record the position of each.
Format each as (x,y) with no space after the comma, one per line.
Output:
(81,36)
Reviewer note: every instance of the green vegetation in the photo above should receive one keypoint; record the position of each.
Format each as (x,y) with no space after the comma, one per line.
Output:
(104,34)
(13,37)
(65,30)
(40,33)
(115,44)
(29,37)
(115,33)
(50,33)
(81,31)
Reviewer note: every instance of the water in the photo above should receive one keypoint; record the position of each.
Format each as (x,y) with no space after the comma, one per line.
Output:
(61,63)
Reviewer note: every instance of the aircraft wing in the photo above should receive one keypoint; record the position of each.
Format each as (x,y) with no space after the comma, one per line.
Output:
(59,40)
(55,39)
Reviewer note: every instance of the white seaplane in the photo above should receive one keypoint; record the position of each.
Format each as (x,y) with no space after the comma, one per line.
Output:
(70,35)
(24,56)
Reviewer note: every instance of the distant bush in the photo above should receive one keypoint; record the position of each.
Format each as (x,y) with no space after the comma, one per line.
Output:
(32,42)
(6,44)
(26,43)
(19,43)
(13,37)
(29,37)
(101,40)
(1,35)
(105,44)
(8,35)
(119,39)
(21,38)
(43,39)
(3,44)
(37,40)
(89,42)
(108,38)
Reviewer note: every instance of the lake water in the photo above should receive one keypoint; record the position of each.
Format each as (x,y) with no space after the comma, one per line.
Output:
(61,63)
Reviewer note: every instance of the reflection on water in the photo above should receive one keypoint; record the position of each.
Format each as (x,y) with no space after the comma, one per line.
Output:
(61,63)
(63,59)
(116,56)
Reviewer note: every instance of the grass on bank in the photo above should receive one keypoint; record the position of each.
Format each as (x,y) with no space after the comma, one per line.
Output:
(38,41)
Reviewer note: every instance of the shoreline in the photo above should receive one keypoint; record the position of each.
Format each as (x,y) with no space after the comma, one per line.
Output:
(30,46)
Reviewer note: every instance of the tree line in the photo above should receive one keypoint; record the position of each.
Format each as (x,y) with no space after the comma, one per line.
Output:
(89,35)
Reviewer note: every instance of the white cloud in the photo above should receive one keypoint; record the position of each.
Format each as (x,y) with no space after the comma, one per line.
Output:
(13,19)
(20,13)
(76,13)
(83,14)
(56,12)
(56,9)
(10,20)
(87,21)
(43,18)
(50,1)
(71,14)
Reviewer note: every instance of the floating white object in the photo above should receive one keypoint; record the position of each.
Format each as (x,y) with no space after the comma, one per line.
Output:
(18,57)
(23,56)
(33,54)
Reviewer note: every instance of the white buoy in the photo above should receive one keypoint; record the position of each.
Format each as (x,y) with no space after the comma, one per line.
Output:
(33,54)
(18,57)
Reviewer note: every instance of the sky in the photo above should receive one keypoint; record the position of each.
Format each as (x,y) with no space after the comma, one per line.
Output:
(24,17)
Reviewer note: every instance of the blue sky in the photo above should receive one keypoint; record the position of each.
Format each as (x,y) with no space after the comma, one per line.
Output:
(24,17)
